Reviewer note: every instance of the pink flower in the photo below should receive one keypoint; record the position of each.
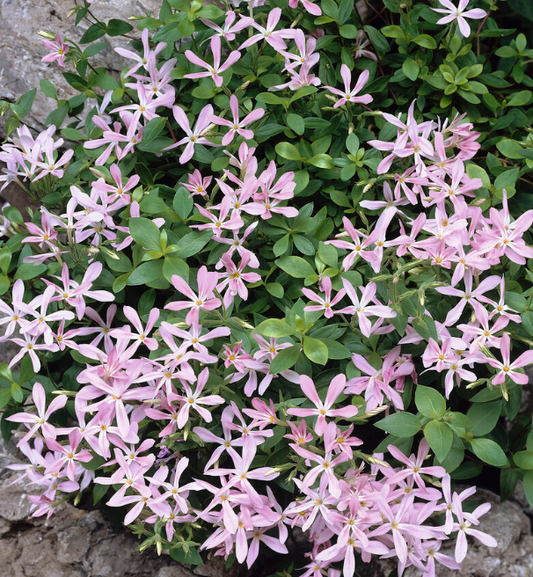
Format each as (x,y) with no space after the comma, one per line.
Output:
(235,277)
(214,70)
(349,95)
(235,126)
(58,49)
(458,13)
(309,6)
(326,302)
(270,34)
(147,55)
(323,409)
(508,369)
(193,400)
(361,306)
(193,136)
(205,300)
(229,30)
(39,420)
(360,44)
(464,527)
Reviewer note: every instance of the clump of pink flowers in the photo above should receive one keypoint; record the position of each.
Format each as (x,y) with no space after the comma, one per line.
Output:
(175,402)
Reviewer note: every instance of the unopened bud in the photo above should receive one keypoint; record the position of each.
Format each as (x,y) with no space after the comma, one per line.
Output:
(375,412)
(421,297)
(369,185)
(331,97)
(208,129)
(243,86)
(243,323)
(71,12)
(479,202)
(97,173)
(297,21)
(46,34)
(93,250)
(485,351)
(110,253)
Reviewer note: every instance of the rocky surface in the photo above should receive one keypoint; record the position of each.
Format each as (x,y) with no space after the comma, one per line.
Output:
(72,543)
(21,48)
(513,557)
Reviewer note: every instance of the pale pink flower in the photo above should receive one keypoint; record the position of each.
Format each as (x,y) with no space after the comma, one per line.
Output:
(216,69)
(349,94)
(458,13)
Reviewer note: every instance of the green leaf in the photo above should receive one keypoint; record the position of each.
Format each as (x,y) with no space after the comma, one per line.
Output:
(400,424)
(377,39)
(182,204)
(24,104)
(484,416)
(56,117)
(26,370)
(489,452)
(430,402)
(296,123)
(145,273)
(285,359)
(211,12)
(303,244)
(440,438)
(322,161)
(145,233)
(475,171)
(94,32)
(393,32)
(524,459)
(348,31)
(521,98)
(275,289)
(106,81)
(275,328)
(352,143)
(13,214)
(118,27)
(5,397)
(152,129)
(527,321)
(315,350)
(426,41)
(425,327)
(336,350)
(29,270)
(302,92)
(48,88)
(510,148)
(288,151)
(192,557)
(95,48)
(173,265)
(295,266)
(528,487)
(193,242)
(153,205)
(507,179)
(411,69)
(99,492)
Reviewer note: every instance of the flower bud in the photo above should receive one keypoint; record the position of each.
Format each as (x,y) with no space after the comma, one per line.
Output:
(46,34)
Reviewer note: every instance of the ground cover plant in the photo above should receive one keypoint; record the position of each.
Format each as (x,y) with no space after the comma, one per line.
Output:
(279,280)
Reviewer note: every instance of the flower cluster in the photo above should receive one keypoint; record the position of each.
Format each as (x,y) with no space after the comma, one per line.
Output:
(202,373)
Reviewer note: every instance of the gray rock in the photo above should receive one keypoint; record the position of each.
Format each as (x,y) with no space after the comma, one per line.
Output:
(513,557)
(21,48)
